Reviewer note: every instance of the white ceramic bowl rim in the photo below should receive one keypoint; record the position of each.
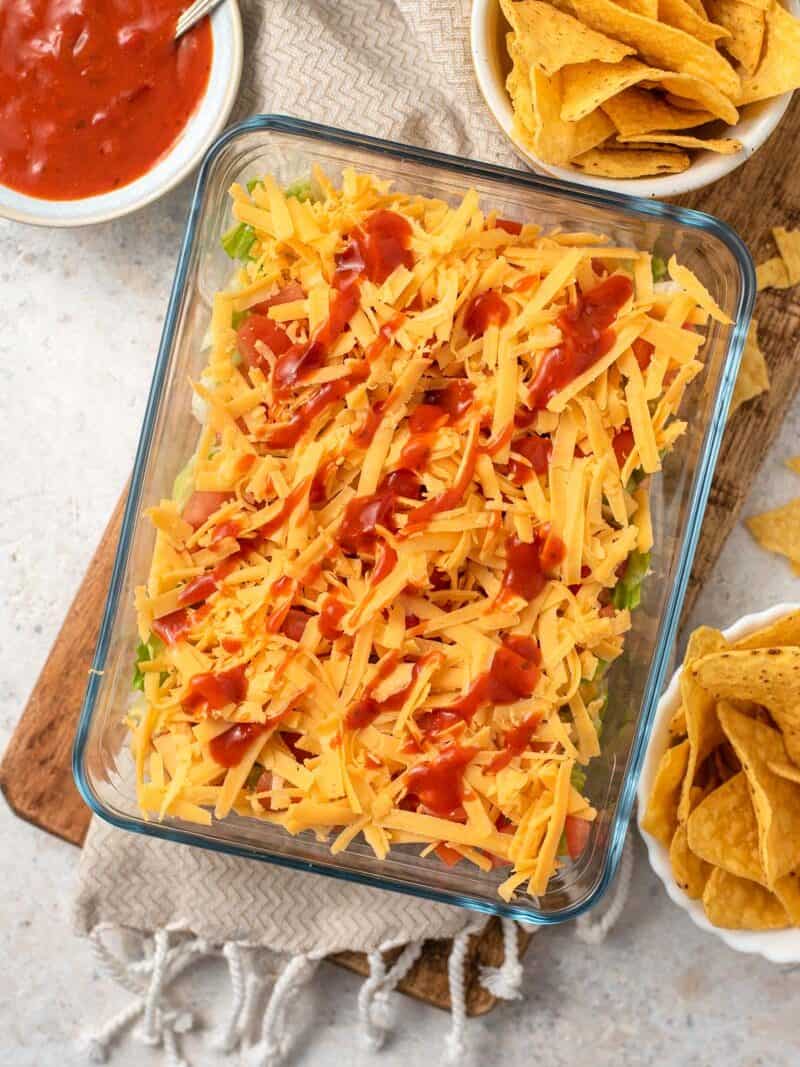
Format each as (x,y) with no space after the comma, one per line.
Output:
(778,946)
(201,129)
(753,129)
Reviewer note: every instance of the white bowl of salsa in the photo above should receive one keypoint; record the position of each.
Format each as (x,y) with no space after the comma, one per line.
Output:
(100,111)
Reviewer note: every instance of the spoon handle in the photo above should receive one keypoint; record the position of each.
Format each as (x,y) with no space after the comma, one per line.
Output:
(193,13)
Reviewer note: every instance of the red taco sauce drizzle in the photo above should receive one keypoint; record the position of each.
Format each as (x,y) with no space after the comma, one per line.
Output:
(218,690)
(376,248)
(91,94)
(228,747)
(438,784)
(515,741)
(512,675)
(529,563)
(586,337)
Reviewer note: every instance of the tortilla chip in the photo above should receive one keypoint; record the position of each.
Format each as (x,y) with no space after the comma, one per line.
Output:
(648,8)
(690,283)
(636,111)
(723,830)
(789,771)
(768,676)
(787,890)
(786,631)
(779,69)
(772,274)
(688,95)
(746,26)
(677,724)
(725,146)
(776,801)
(621,163)
(661,45)
(683,16)
(778,530)
(689,871)
(551,39)
(738,904)
(702,726)
(538,122)
(661,817)
(588,85)
(788,242)
(753,376)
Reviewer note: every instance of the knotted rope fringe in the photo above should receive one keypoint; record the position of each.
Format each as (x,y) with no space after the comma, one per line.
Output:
(146,979)
(163,960)
(275,1035)
(373,998)
(454,1042)
(504,982)
(593,926)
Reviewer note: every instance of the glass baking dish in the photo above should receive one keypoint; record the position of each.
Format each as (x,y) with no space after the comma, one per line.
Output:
(287,148)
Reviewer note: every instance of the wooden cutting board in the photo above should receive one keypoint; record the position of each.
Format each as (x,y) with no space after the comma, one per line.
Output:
(35,773)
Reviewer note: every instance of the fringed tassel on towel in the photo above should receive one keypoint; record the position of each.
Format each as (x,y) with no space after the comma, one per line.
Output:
(454,1042)
(594,926)
(275,1034)
(373,998)
(504,982)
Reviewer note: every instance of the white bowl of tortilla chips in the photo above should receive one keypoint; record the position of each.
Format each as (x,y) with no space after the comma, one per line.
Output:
(743,821)
(599,94)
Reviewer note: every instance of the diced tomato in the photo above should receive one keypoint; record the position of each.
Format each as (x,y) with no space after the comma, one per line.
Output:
(623,443)
(201,506)
(197,590)
(448,855)
(171,628)
(577,833)
(643,351)
(291,292)
(260,329)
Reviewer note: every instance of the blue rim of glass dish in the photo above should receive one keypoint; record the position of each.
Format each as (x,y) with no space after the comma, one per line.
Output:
(702,484)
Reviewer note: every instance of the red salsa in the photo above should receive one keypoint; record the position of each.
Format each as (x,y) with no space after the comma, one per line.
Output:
(93,94)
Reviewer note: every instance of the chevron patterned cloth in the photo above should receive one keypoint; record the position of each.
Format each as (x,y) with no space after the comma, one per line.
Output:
(398,69)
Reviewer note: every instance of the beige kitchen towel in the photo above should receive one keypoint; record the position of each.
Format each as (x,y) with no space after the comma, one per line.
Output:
(398,69)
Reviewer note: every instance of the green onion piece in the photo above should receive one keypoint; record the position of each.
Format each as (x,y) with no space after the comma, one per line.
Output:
(300,190)
(628,590)
(659,267)
(578,778)
(238,241)
(252,184)
(237,318)
(145,651)
(183,486)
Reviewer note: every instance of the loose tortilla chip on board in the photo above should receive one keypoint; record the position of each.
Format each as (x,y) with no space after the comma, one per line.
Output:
(661,817)
(738,904)
(786,631)
(689,871)
(683,16)
(661,45)
(723,830)
(772,274)
(746,25)
(619,163)
(778,530)
(767,676)
(776,802)
(725,146)
(787,890)
(753,376)
(779,69)
(788,242)
(551,38)
(636,111)
(702,726)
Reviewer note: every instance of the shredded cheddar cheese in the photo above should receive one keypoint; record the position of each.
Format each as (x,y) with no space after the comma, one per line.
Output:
(381,606)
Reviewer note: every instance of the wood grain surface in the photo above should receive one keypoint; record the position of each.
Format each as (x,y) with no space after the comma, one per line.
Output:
(35,774)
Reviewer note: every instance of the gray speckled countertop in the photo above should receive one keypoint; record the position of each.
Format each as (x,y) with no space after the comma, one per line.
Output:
(80,319)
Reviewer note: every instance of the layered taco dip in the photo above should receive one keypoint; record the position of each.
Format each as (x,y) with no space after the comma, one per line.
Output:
(389,582)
